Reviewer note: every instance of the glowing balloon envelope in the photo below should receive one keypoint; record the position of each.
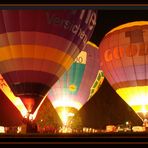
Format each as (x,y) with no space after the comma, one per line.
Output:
(37,46)
(78,84)
(124,61)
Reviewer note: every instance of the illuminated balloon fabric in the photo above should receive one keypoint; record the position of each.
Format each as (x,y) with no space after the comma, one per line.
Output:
(74,87)
(37,46)
(124,61)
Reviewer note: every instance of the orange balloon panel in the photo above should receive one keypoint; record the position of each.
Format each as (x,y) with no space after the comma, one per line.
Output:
(124,60)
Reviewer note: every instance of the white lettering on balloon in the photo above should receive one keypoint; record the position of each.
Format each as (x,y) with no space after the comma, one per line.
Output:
(90,20)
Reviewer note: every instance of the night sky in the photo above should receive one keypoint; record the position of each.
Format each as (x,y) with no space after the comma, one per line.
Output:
(108,19)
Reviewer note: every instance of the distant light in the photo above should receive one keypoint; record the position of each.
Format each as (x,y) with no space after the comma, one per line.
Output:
(19,129)
(127,122)
(138,129)
(2,129)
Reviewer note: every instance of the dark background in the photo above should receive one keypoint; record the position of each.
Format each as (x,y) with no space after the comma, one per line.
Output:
(73,2)
(108,19)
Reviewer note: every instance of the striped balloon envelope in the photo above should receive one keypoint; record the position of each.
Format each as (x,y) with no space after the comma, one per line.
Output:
(37,46)
(78,84)
(124,61)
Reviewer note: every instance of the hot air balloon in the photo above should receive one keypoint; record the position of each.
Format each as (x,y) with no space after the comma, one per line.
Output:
(37,46)
(77,85)
(124,61)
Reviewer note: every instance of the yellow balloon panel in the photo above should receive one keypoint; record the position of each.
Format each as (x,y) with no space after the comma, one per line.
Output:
(136,97)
